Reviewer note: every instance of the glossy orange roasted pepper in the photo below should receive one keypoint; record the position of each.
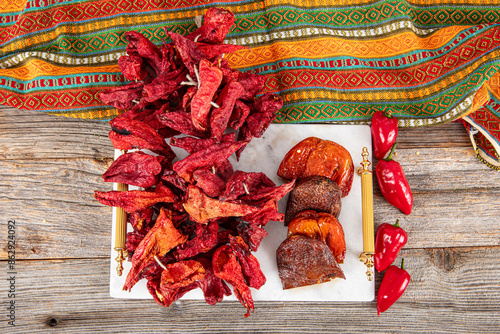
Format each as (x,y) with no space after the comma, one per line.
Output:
(322,226)
(315,156)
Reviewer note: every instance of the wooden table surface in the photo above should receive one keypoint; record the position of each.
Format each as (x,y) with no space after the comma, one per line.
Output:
(50,167)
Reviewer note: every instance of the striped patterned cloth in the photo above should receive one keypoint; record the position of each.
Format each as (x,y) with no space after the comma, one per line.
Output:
(426,61)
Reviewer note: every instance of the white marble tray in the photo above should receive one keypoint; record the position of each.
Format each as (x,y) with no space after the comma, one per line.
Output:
(264,155)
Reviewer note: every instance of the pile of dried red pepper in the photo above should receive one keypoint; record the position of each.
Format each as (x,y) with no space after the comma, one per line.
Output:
(196,221)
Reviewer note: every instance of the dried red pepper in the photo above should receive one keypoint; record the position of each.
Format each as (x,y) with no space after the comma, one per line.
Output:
(252,83)
(384,129)
(134,200)
(249,264)
(180,274)
(210,78)
(138,45)
(393,183)
(267,212)
(227,267)
(210,183)
(166,296)
(128,134)
(137,169)
(241,183)
(216,24)
(205,240)
(214,289)
(191,144)
(393,286)
(182,122)
(205,158)
(189,52)
(141,219)
(164,85)
(239,115)
(225,104)
(124,97)
(131,68)
(159,240)
(177,184)
(224,169)
(265,194)
(252,234)
(388,242)
(133,240)
(202,208)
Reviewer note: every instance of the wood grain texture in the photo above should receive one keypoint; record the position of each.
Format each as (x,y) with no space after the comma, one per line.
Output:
(31,135)
(50,167)
(455,288)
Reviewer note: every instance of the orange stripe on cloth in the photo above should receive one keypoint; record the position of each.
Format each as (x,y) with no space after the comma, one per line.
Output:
(35,67)
(332,47)
(7,6)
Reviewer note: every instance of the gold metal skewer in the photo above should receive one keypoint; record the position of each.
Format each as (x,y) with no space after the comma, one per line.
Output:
(120,232)
(367,206)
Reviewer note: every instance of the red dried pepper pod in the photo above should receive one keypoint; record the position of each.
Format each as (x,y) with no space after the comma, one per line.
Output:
(384,130)
(388,242)
(393,183)
(392,287)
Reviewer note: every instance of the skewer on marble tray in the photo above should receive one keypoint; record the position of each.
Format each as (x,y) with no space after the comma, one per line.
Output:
(120,232)
(367,211)
(120,228)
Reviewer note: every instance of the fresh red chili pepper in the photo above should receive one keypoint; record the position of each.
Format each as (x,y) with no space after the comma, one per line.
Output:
(392,287)
(393,183)
(388,242)
(384,130)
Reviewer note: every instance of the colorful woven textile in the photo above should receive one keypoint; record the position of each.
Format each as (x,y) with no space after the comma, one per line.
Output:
(426,61)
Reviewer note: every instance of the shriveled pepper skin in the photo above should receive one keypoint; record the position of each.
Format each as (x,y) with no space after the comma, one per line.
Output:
(388,242)
(315,156)
(384,131)
(394,185)
(392,287)
(210,80)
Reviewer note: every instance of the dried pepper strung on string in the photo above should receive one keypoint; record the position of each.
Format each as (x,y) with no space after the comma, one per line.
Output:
(195,220)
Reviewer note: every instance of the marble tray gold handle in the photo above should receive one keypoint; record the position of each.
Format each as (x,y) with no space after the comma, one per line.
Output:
(120,232)
(367,211)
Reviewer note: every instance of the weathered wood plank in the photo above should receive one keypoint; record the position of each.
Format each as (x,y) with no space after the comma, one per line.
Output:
(53,203)
(443,135)
(452,291)
(31,135)
(444,169)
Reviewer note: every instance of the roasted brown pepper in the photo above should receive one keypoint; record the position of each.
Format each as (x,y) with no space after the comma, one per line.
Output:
(303,260)
(315,192)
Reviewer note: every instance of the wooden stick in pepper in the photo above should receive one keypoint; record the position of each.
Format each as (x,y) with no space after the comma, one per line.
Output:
(393,183)
(392,287)
(388,242)
(384,129)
